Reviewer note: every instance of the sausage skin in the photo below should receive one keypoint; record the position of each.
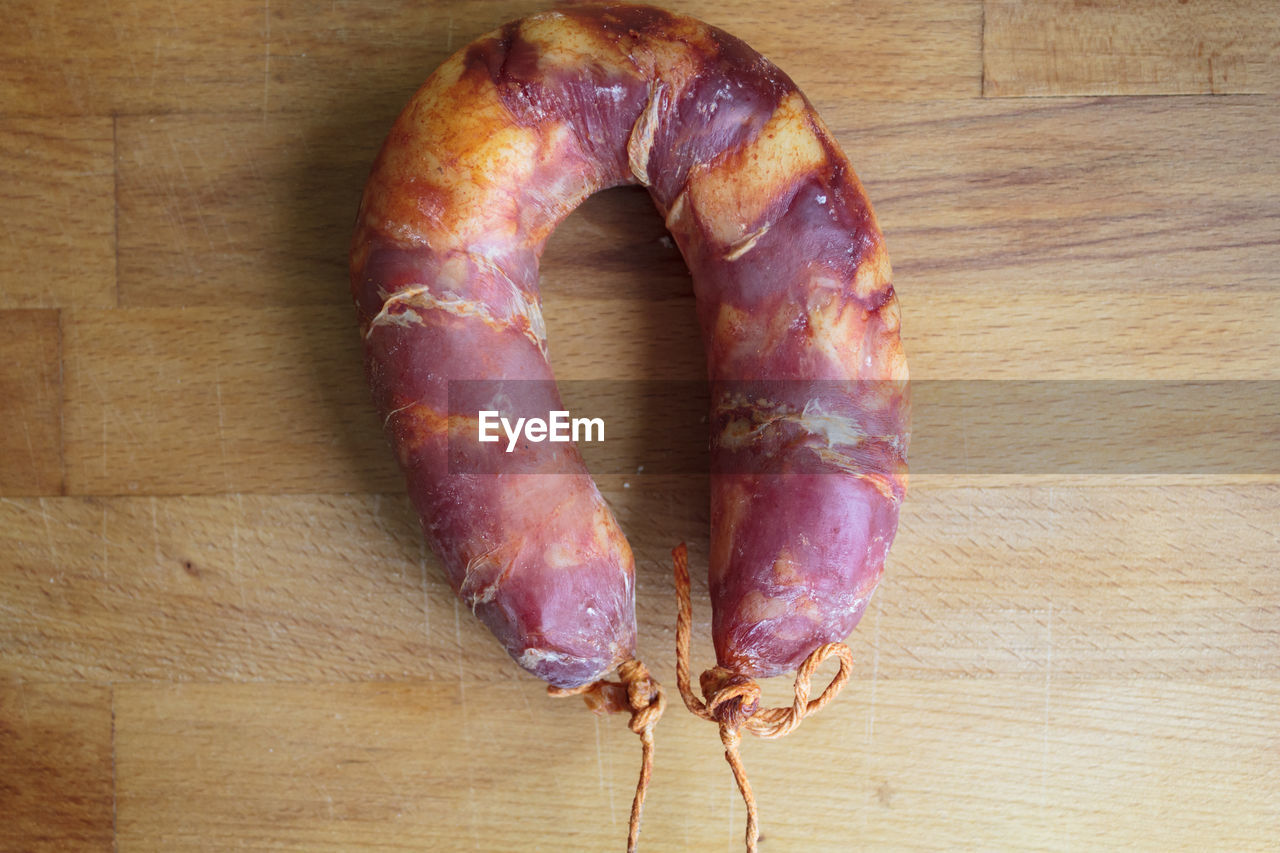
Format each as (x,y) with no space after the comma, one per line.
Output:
(794,298)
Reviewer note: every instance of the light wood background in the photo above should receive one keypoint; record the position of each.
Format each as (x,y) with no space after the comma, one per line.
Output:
(218,625)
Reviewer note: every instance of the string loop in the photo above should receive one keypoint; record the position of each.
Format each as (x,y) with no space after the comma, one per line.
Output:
(641,694)
(733,701)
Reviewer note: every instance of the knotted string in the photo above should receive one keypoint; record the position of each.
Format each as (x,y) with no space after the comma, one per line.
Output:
(641,694)
(733,701)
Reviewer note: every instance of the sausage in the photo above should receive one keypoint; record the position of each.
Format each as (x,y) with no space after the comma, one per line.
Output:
(794,298)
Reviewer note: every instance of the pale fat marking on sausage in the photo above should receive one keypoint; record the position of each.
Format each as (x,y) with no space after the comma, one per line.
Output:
(881,482)
(640,142)
(420,298)
(533,656)
(873,273)
(397,410)
(677,212)
(837,328)
(453,423)
(737,188)
(476,591)
(748,244)
(486,151)
(834,430)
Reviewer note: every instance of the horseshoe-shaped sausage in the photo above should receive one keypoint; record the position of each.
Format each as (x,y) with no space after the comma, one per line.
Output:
(794,298)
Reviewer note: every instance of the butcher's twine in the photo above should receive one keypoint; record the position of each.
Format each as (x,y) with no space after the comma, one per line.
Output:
(642,695)
(733,701)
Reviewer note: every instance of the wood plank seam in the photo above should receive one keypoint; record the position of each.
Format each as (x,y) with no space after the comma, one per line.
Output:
(62,413)
(115,789)
(982,54)
(115,203)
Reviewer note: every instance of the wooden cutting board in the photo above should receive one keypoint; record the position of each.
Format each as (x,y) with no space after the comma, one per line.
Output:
(219,627)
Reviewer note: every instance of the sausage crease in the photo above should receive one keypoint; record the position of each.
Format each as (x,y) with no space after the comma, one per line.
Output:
(794,298)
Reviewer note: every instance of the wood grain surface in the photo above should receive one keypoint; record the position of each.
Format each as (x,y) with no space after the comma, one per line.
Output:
(220,627)
(1113,47)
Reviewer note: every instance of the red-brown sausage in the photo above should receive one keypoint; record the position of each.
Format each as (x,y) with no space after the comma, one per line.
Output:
(794,297)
